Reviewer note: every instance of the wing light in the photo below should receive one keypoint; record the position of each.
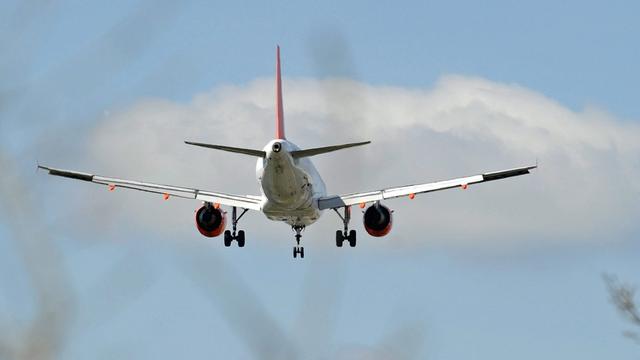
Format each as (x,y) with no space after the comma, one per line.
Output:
(412,196)
(165,196)
(112,187)
(464,186)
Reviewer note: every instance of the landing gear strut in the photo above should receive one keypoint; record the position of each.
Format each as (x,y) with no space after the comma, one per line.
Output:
(298,250)
(239,236)
(345,234)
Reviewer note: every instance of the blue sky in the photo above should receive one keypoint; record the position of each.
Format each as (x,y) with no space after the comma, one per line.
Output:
(143,290)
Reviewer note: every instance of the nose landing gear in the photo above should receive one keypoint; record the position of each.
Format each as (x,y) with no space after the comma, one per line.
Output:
(298,250)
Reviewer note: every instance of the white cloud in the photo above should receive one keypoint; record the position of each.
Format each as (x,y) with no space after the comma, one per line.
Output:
(585,190)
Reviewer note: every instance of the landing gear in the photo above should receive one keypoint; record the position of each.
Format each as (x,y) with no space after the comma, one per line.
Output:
(345,234)
(238,236)
(298,250)
(228,238)
(341,237)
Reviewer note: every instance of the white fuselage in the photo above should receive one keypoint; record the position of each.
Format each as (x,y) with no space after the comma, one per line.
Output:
(290,187)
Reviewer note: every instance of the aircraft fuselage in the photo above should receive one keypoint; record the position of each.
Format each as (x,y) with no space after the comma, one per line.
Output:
(290,186)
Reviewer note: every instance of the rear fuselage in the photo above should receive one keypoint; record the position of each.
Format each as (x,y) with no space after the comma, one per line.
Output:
(290,186)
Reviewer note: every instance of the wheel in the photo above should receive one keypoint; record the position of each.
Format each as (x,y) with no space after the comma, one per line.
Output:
(301,252)
(240,238)
(227,238)
(352,238)
(295,252)
(339,238)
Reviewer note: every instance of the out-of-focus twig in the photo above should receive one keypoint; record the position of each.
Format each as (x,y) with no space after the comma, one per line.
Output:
(246,316)
(622,295)
(43,336)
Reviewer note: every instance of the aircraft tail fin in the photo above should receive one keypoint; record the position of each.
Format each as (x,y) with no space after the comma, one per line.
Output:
(279,108)
(326,149)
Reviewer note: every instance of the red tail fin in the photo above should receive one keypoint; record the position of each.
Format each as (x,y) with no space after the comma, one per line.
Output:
(279,110)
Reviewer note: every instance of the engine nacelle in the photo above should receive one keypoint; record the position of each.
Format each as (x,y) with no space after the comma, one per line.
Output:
(210,221)
(377,220)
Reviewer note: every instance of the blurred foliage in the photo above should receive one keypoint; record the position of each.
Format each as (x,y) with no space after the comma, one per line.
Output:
(622,296)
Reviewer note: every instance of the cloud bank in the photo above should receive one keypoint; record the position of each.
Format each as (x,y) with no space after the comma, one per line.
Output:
(584,190)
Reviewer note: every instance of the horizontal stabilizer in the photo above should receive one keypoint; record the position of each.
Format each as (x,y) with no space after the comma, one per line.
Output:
(326,149)
(252,152)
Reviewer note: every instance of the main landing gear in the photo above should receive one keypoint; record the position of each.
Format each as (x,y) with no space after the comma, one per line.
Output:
(298,250)
(345,234)
(230,236)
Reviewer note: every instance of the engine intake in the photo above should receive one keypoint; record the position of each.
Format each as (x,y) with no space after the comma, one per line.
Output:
(210,221)
(377,220)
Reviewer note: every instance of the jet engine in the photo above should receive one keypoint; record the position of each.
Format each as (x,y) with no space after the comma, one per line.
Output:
(377,220)
(210,220)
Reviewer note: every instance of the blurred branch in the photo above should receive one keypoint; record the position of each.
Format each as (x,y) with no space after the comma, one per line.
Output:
(632,335)
(245,315)
(622,295)
(43,336)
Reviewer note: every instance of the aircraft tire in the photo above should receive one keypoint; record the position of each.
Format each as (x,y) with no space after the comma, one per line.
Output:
(352,238)
(227,238)
(240,238)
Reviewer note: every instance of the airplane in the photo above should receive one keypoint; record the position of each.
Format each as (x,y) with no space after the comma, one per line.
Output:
(292,190)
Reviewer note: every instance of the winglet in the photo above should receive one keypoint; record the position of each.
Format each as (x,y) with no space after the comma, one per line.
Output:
(279,108)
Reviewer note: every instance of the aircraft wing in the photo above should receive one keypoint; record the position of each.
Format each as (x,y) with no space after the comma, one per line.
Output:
(337,201)
(243,201)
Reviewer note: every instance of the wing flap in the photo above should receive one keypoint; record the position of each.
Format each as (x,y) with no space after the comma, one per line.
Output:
(336,201)
(247,202)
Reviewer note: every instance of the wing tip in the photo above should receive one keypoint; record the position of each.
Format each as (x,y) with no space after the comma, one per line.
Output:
(497,175)
(67,173)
